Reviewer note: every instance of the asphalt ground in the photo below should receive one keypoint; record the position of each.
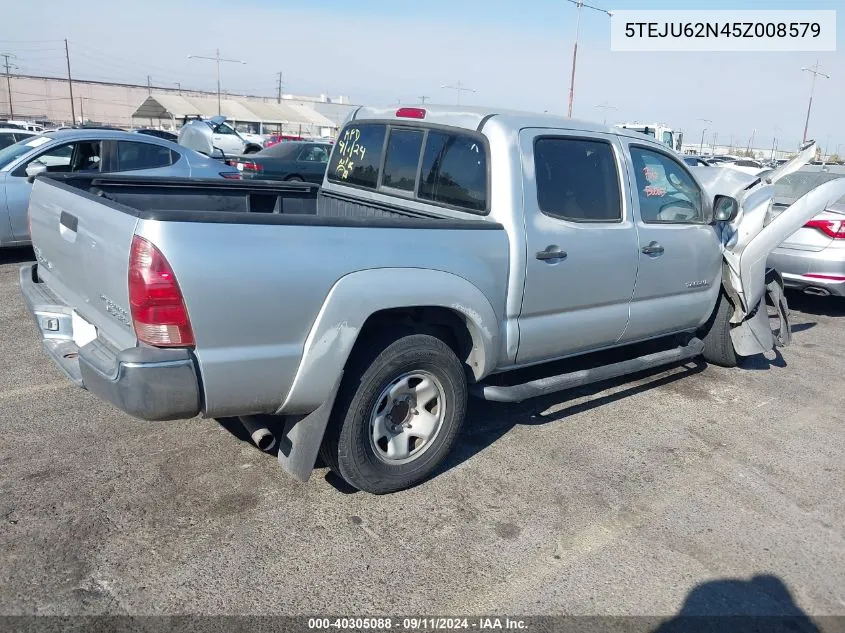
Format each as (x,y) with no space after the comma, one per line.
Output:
(694,489)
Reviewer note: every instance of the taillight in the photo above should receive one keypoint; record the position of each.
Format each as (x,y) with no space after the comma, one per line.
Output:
(231,175)
(410,113)
(248,165)
(155,300)
(831,228)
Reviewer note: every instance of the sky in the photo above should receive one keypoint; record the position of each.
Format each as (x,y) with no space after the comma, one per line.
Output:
(515,54)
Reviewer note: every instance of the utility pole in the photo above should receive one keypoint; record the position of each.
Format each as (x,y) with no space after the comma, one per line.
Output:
(70,85)
(713,147)
(217,59)
(701,149)
(750,141)
(423,98)
(459,88)
(149,85)
(604,106)
(279,85)
(9,83)
(580,4)
(82,110)
(815,72)
(774,142)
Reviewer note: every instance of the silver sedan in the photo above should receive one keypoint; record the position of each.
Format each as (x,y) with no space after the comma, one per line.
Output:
(813,258)
(86,151)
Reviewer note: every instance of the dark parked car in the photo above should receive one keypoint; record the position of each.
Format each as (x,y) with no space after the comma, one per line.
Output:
(10,136)
(167,136)
(696,161)
(295,160)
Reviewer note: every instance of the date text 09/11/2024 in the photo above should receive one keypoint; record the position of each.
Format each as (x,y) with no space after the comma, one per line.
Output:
(417,624)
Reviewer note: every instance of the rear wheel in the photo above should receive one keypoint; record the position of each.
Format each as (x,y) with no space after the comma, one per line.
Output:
(398,412)
(718,346)
(294,179)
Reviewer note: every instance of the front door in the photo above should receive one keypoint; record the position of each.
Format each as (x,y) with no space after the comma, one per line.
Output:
(680,253)
(81,156)
(581,260)
(227,140)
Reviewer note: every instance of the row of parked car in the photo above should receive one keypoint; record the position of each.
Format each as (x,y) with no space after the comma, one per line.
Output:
(87,149)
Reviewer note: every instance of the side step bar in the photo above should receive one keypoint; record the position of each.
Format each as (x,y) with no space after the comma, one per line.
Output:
(551,384)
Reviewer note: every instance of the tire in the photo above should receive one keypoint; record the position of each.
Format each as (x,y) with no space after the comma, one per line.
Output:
(718,347)
(252,149)
(295,179)
(349,447)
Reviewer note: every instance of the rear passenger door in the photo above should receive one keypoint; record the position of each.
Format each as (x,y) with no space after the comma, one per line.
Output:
(146,159)
(312,161)
(581,263)
(680,254)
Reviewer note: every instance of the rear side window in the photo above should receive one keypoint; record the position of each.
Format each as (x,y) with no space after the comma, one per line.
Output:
(454,171)
(402,159)
(577,180)
(131,155)
(357,156)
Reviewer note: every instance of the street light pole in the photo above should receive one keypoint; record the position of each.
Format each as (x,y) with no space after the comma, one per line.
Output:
(580,4)
(217,59)
(815,72)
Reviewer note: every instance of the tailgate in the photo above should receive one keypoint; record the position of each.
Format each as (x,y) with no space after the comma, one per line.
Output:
(82,244)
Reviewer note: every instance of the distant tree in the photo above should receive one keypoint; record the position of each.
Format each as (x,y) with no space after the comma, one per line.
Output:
(834,159)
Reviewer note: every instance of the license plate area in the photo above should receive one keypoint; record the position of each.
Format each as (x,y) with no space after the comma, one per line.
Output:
(83,331)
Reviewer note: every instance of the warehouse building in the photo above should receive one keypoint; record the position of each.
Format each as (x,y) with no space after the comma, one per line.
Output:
(48,99)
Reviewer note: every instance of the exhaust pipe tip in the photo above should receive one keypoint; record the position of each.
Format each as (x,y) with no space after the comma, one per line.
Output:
(816,291)
(263,439)
(260,435)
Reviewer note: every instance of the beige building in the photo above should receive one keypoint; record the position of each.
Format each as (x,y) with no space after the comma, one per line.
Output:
(128,105)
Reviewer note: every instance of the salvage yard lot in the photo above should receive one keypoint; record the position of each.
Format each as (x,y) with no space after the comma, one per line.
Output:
(619,499)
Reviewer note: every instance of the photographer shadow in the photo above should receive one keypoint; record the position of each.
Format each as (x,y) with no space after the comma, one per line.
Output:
(732,605)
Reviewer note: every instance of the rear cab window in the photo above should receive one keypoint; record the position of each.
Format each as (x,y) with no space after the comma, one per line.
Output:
(439,166)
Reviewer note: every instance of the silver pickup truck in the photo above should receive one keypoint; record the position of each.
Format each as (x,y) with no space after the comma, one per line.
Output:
(446,249)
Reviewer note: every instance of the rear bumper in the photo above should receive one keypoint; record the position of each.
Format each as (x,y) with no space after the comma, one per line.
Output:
(799,269)
(145,382)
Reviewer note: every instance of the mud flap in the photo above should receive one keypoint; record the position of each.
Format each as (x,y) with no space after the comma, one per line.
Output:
(754,334)
(301,439)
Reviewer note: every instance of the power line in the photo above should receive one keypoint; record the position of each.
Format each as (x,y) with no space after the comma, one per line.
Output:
(217,59)
(458,88)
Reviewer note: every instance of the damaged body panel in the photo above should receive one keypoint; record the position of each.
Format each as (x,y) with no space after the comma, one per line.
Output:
(749,239)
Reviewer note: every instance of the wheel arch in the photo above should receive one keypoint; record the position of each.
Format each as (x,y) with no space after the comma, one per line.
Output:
(370,300)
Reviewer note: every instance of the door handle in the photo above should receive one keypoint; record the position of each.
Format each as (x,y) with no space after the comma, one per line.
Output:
(652,249)
(551,254)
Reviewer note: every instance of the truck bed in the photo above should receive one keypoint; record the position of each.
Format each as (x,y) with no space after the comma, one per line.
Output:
(241,202)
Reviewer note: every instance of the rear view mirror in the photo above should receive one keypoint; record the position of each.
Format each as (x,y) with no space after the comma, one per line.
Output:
(725,208)
(33,169)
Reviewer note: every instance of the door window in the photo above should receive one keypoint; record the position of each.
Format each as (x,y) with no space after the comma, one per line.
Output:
(57,159)
(666,191)
(314,154)
(224,129)
(403,157)
(132,155)
(577,179)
